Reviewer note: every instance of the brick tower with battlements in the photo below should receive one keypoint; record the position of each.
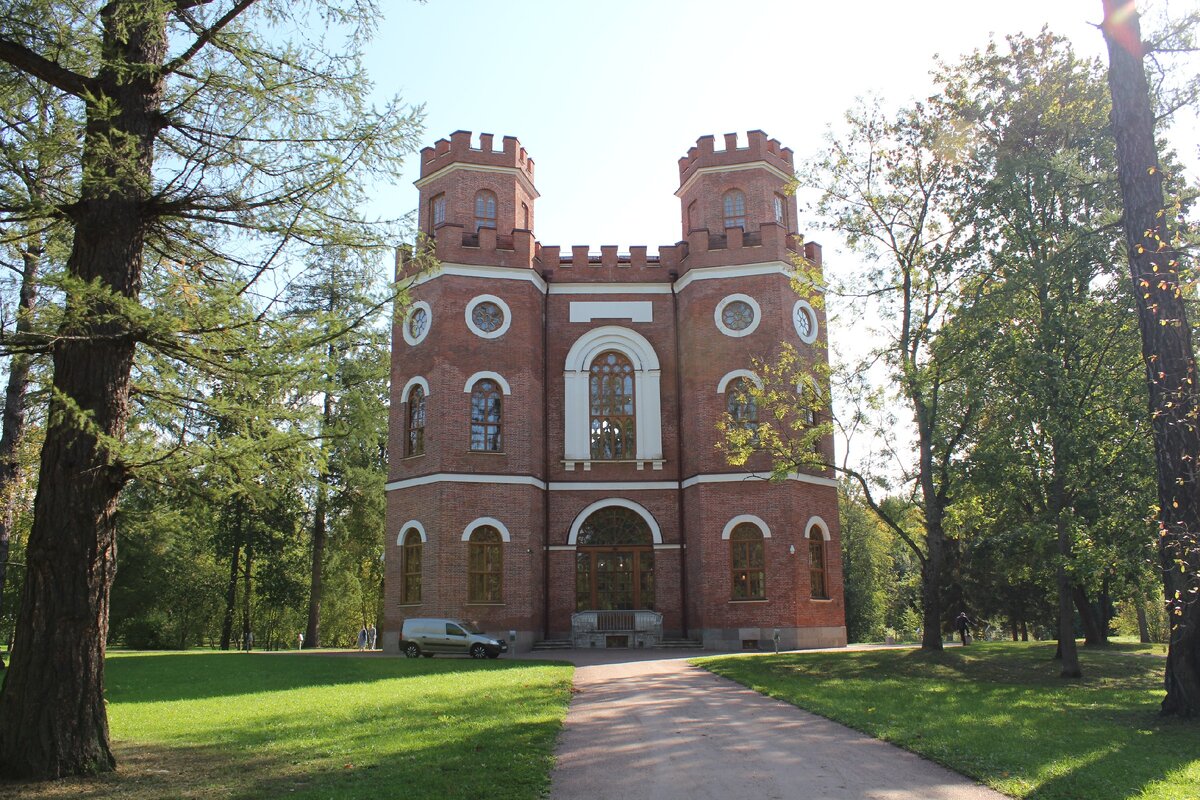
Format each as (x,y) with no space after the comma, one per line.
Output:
(553,468)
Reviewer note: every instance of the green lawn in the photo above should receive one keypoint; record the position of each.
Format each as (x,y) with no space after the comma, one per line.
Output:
(998,713)
(218,725)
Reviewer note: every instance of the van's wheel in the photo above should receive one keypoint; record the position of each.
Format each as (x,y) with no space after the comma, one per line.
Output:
(478,651)
(411,650)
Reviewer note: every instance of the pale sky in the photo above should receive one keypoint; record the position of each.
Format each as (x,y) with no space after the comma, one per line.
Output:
(607,96)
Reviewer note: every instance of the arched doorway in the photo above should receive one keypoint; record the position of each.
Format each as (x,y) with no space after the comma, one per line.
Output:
(614,562)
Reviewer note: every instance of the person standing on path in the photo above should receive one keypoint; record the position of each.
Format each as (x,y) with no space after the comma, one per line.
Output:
(963,623)
(299,641)
(362,638)
(371,633)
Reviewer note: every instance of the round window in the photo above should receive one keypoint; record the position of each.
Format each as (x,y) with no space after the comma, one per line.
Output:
(738,315)
(488,317)
(416,322)
(805,321)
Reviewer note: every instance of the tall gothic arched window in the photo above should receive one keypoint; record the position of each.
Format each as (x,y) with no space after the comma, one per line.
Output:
(816,558)
(485,566)
(411,587)
(415,444)
(747,562)
(486,416)
(485,210)
(741,404)
(612,417)
(734,203)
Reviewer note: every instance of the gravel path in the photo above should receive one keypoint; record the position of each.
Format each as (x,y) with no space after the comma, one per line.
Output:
(645,725)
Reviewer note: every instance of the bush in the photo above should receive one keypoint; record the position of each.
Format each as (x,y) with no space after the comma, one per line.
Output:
(1156,620)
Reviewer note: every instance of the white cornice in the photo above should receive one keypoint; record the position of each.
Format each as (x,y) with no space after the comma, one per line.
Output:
(482,271)
(733,271)
(610,288)
(599,486)
(769,167)
(457,165)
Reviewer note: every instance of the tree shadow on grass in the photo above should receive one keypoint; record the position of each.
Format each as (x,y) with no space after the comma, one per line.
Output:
(197,676)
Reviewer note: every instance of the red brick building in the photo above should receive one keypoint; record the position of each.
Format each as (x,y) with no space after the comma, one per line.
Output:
(554,417)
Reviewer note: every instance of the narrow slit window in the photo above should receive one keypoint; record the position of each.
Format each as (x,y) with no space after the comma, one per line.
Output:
(415,445)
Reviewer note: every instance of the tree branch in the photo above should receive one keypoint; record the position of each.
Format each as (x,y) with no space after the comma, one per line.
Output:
(44,69)
(207,34)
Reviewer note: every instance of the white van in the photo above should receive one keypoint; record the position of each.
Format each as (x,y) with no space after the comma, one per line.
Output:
(428,637)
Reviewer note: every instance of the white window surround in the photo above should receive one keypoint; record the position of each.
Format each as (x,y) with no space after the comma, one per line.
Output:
(480,522)
(415,380)
(739,519)
(734,375)
(607,486)
(411,525)
(404,331)
(803,307)
(494,376)
(488,298)
(620,502)
(733,298)
(647,381)
(632,310)
(820,523)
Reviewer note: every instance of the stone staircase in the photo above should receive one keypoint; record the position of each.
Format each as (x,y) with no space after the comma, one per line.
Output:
(680,644)
(552,644)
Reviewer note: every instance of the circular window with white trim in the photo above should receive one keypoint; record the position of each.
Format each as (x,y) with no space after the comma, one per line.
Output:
(417,322)
(804,318)
(488,316)
(737,315)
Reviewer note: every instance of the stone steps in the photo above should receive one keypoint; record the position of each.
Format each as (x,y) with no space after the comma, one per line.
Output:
(680,644)
(553,644)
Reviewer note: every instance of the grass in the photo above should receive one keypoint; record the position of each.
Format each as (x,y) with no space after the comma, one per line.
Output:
(998,713)
(235,725)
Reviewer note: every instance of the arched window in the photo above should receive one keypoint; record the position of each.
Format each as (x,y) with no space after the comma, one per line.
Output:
(735,209)
(485,566)
(614,565)
(411,567)
(485,210)
(747,561)
(613,420)
(486,416)
(437,211)
(525,216)
(780,206)
(415,445)
(816,557)
(741,404)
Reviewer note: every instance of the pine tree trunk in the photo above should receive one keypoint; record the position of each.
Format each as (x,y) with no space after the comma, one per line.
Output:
(52,717)
(312,636)
(13,426)
(246,626)
(1166,348)
(230,598)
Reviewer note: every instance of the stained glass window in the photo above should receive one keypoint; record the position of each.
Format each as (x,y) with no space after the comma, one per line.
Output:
(487,316)
(613,420)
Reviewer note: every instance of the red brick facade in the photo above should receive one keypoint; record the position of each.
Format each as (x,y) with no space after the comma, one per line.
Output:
(561,312)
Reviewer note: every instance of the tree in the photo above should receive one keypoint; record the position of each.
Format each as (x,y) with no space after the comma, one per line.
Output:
(1159,284)
(1061,421)
(209,153)
(892,188)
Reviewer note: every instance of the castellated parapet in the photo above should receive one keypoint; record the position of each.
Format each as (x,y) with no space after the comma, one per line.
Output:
(765,230)
(759,148)
(457,149)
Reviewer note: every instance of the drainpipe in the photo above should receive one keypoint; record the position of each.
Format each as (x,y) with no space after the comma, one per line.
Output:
(683,593)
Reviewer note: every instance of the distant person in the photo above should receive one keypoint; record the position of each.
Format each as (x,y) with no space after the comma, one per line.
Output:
(299,641)
(962,624)
(362,638)
(249,641)
(371,634)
